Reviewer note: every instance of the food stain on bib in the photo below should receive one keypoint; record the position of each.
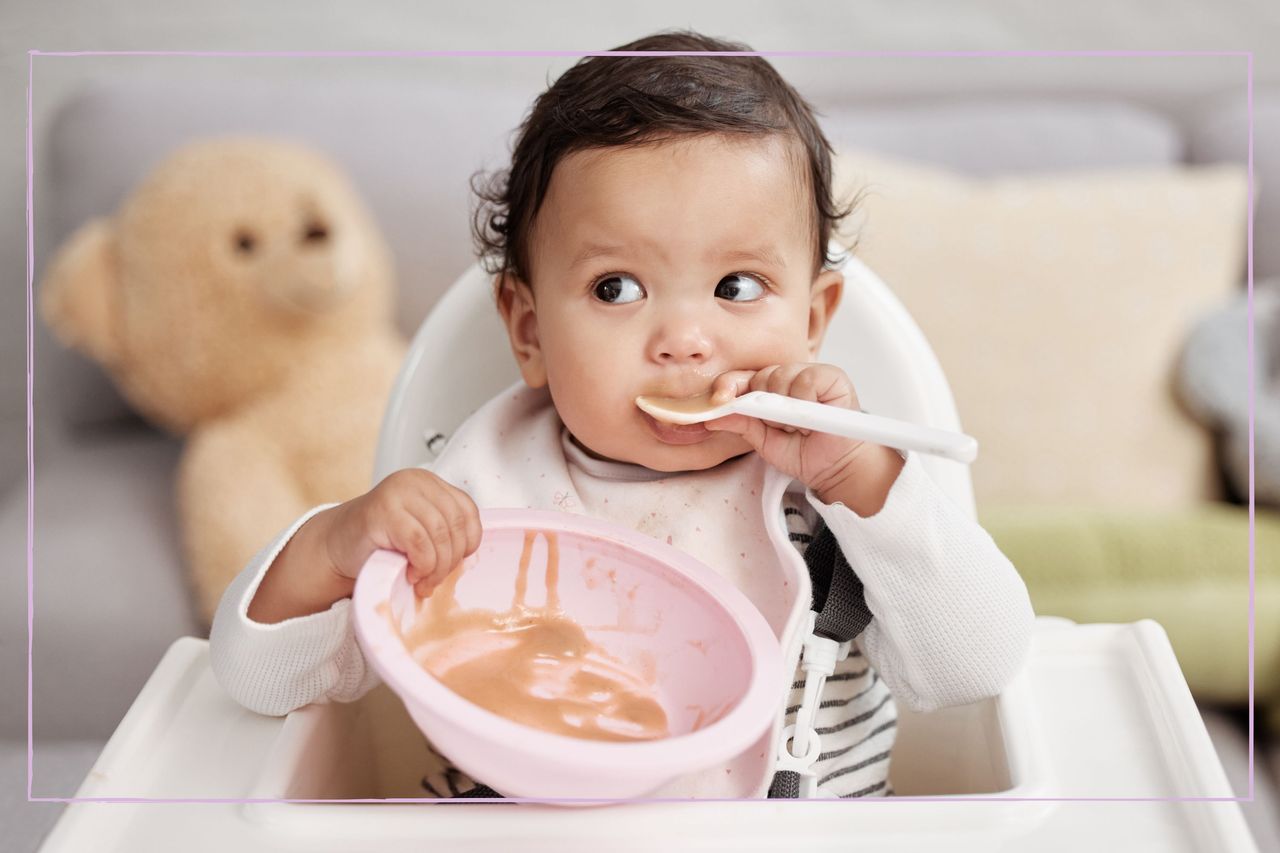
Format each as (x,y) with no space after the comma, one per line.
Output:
(535,666)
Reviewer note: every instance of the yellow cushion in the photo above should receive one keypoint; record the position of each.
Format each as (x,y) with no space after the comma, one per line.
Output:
(1056,305)
(1188,569)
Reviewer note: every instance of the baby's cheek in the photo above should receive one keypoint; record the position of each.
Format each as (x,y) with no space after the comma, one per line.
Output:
(597,416)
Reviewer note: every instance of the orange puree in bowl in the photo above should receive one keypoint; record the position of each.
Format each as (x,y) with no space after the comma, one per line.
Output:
(534,665)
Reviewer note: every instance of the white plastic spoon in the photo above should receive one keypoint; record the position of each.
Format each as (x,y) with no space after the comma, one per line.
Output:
(782,409)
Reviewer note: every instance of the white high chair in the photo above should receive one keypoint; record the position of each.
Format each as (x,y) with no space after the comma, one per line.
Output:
(1100,711)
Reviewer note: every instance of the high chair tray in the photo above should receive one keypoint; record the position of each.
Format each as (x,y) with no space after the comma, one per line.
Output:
(1100,711)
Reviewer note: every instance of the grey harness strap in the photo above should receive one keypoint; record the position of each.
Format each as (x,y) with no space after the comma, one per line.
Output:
(842,615)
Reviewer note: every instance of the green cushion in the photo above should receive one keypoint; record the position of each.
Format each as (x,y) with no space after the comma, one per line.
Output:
(1186,569)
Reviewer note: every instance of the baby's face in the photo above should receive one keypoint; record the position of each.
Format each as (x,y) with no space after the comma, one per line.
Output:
(657,268)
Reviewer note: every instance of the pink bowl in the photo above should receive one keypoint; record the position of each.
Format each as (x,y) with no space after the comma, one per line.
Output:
(666,613)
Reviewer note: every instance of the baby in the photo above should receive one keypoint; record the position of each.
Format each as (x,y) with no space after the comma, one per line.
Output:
(663,231)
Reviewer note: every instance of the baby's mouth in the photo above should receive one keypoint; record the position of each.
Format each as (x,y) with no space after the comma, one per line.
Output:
(675,433)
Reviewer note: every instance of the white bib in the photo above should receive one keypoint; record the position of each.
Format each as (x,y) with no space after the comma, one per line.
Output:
(515,452)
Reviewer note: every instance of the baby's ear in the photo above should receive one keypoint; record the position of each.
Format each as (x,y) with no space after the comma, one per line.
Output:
(515,304)
(824,299)
(78,292)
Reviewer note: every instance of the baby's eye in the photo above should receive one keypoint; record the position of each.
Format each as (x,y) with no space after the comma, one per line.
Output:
(618,289)
(740,287)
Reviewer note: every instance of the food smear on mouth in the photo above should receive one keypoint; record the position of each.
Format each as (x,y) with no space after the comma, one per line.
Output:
(695,405)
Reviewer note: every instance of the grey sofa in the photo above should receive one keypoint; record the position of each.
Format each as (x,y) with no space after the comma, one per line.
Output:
(110,593)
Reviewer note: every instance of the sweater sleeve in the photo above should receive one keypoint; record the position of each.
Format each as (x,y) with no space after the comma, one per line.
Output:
(951,617)
(274,669)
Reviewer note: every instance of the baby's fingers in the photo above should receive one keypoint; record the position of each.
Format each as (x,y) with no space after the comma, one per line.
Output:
(730,384)
(470,522)
(410,538)
(452,521)
(751,429)
(823,383)
(447,530)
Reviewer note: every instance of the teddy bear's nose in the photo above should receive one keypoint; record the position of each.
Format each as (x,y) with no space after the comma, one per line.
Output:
(317,232)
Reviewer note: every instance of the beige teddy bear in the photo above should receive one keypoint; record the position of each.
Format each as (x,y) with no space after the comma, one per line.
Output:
(242,296)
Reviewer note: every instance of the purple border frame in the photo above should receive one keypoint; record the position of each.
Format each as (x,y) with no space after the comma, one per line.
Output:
(897,54)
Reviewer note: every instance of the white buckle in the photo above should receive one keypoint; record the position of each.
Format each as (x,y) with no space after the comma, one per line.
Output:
(819,659)
(800,764)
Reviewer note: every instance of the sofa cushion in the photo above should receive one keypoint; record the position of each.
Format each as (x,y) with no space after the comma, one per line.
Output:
(1231,384)
(1220,134)
(1187,569)
(109,591)
(1056,305)
(985,137)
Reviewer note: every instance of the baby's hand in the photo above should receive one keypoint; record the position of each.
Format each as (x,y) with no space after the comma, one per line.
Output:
(414,512)
(828,464)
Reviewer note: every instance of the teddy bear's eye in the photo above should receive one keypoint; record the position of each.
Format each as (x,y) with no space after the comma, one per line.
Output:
(316,232)
(245,242)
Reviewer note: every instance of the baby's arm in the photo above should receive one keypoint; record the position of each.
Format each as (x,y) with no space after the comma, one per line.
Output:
(952,620)
(282,636)
(276,668)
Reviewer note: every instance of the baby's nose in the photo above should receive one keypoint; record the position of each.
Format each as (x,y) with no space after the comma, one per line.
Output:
(682,356)
(689,345)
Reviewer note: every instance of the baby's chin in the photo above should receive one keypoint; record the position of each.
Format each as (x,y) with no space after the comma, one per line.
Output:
(694,459)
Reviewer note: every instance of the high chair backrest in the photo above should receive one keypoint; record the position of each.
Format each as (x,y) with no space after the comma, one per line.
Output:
(460,358)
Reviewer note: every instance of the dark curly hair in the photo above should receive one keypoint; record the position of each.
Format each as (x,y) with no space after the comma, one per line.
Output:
(606,101)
